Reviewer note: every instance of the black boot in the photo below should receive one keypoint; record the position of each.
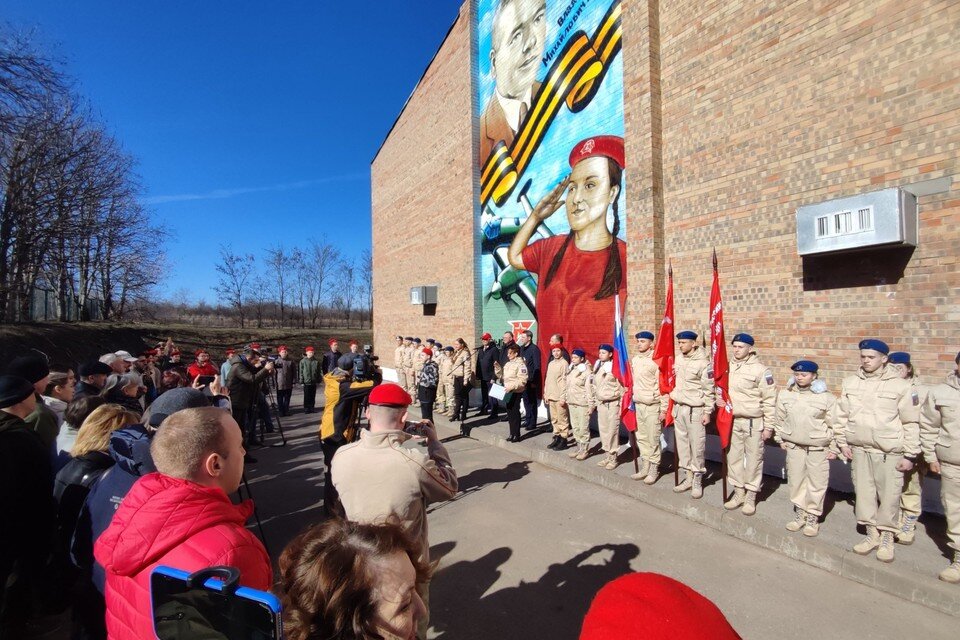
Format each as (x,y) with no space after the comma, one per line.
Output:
(561,444)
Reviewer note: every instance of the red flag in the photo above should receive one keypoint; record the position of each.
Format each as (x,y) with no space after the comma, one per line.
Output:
(663,349)
(622,371)
(721,366)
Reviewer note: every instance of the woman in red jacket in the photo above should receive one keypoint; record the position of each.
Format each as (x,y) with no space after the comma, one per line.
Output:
(202,367)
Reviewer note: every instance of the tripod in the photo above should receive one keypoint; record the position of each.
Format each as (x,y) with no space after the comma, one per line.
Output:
(273,414)
(256,516)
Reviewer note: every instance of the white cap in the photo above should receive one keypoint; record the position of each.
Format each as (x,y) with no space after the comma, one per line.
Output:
(109,358)
(126,356)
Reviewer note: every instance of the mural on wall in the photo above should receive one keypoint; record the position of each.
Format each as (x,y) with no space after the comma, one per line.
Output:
(550,110)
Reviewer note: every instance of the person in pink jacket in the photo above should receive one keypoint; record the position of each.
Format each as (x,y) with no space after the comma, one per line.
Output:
(181,517)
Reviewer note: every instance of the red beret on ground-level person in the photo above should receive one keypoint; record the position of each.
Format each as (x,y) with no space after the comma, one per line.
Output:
(390,395)
(332,341)
(310,349)
(602,146)
(650,606)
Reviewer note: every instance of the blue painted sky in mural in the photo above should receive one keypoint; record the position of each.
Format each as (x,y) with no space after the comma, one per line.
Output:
(254,122)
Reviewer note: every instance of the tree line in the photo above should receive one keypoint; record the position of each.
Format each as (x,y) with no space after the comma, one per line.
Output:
(70,217)
(314,285)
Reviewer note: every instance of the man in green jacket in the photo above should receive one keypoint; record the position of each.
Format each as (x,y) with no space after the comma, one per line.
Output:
(42,419)
(309,377)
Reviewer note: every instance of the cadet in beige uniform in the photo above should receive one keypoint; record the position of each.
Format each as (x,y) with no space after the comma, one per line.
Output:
(910,509)
(753,396)
(877,428)
(578,396)
(446,380)
(379,479)
(692,396)
(607,391)
(417,368)
(554,385)
(514,382)
(940,436)
(803,427)
(650,406)
(400,360)
(408,358)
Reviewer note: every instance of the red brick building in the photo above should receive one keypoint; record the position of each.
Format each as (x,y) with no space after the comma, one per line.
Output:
(736,114)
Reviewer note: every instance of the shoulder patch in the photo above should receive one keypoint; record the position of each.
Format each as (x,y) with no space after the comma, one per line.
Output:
(915,397)
(768,377)
(710,372)
(523,369)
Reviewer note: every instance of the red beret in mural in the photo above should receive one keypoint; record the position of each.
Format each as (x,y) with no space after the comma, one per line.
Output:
(603,146)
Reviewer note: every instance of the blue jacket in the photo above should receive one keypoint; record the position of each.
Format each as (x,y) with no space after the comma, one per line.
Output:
(130,449)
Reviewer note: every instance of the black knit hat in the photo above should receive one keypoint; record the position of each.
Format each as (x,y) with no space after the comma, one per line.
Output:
(32,368)
(176,400)
(93,368)
(14,390)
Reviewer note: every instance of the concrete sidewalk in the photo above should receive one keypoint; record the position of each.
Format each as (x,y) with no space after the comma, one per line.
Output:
(912,576)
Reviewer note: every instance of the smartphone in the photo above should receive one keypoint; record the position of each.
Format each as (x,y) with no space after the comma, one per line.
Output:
(414,428)
(188,605)
(205,380)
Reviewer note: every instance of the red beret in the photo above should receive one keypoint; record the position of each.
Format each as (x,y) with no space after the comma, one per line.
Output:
(201,350)
(659,608)
(175,352)
(282,347)
(255,346)
(428,351)
(486,336)
(332,340)
(309,349)
(353,342)
(603,146)
(390,394)
(231,351)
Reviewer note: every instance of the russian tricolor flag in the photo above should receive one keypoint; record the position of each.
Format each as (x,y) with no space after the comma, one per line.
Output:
(621,370)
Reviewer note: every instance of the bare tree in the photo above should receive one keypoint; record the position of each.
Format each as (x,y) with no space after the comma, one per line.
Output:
(346,275)
(235,272)
(366,282)
(279,265)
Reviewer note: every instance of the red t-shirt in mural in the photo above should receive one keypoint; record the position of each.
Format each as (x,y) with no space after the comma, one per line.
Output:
(567,306)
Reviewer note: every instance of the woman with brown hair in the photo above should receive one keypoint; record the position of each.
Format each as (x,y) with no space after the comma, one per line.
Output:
(59,391)
(462,374)
(352,581)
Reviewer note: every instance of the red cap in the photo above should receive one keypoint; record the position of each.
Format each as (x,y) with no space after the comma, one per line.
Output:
(230,352)
(353,342)
(201,350)
(309,349)
(332,340)
(282,347)
(556,345)
(428,351)
(175,352)
(390,394)
(255,346)
(486,336)
(659,608)
(603,146)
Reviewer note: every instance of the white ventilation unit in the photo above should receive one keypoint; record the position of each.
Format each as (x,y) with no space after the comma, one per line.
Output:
(880,218)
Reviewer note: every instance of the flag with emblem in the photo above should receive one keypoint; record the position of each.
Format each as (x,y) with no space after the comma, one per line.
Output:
(622,371)
(663,349)
(719,362)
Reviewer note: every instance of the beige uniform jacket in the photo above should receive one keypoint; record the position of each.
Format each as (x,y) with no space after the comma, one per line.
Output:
(577,388)
(879,412)
(694,385)
(940,422)
(805,417)
(378,478)
(753,392)
(462,364)
(408,357)
(400,357)
(646,380)
(606,387)
(446,369)
(555,381)
(515,375)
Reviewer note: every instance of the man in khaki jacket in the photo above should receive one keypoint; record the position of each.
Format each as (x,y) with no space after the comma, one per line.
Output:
(379,479)
(940,438)
(651,407)
(877,427)
(692,396)
(753,395)
(554,386)
(399,362)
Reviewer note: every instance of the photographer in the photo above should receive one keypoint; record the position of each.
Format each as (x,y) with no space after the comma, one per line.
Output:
(246,375)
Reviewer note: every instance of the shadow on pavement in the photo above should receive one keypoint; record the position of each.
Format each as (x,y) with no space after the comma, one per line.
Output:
(552,607)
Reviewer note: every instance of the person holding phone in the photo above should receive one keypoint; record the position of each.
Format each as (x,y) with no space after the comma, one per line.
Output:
(202,366)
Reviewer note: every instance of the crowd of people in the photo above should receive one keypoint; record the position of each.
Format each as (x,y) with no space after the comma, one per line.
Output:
(889,427)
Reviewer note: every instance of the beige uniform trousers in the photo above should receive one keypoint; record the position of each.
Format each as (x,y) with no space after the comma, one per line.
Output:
(608,424)
(950,496)
(648,432)
(745,455)
(445,390)
(580,421)
(411,386)
(402,378)
(912,486)
(691,437)
(559,418)
(808,473)
(877,484)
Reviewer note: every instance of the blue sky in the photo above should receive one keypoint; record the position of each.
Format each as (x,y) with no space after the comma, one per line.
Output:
(253,122)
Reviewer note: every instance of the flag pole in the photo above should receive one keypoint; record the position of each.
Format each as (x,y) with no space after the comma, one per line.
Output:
(676,453)
(635,448)
(723,450)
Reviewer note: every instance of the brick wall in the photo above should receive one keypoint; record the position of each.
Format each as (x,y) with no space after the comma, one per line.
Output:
(737,112)
(423,180)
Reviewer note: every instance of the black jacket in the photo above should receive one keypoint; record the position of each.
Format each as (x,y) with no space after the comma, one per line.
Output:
(486,356)
(329,362)
(70,489)
(531,356)
(244,382)
(85,389)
